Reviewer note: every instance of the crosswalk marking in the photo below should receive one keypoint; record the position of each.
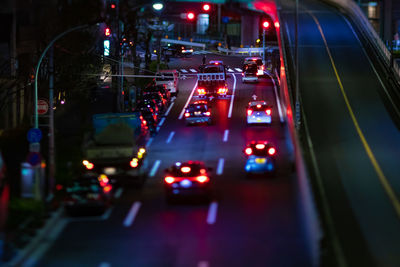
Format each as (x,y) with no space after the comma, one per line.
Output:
(239,70)
(184,71)
(193,70)
(230,70)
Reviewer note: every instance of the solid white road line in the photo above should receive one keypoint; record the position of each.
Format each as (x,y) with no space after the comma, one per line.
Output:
(170,137)
(193,70)
(278,101)
(203,264)
(220,168)
(187,102)
(169,109)
(154,169)
(239,70)
(233,96)
(132,214)
(118,193)
(230,70)
(226,134)
(105,264)
(212,212)
(184,71)
(161,122)
(149,142)
(107,214)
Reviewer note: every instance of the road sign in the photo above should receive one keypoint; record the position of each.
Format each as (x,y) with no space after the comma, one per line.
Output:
(42,106)
(34,135)
(34,147)
(34,158)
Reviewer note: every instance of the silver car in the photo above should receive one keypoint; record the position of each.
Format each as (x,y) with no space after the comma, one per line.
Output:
(259,112)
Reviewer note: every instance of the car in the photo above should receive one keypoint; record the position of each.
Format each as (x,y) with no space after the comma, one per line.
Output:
(260,158)
(258,61)
(216,62)
(88,195)
(259,112)
(249,73)
(159,99)
(191,178)
(160,88)
(150,118)
(198,112)
(177,50)
(151,103)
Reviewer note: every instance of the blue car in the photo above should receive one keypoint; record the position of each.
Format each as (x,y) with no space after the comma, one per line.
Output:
(260,158)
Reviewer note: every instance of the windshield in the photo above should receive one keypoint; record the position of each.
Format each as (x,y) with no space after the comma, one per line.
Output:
(213,69)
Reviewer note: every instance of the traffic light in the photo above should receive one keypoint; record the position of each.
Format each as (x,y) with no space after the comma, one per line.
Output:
(107,32)
(265,24)
(190,16)
(206,7)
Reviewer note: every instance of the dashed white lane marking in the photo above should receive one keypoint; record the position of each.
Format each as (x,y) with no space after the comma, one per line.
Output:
(203,264)
(193,70)
(239,70)
(220,168)
(130,218)
(149,142)
(230,70)
(212,212)
(169,109)
(184,71)
(170,137)
(226,134)
(154,169)
(187,102)
(233,96)
(118,193)
(104,264)
(161,122)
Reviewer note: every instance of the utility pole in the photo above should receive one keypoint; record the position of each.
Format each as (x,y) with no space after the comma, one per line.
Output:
(297,105)
(51,122)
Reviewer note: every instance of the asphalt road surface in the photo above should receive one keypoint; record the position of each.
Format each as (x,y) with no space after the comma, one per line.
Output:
(348,114)
(249,222)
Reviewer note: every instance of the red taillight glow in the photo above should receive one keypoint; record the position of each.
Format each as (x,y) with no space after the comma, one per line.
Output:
(107,188)
(201,91)
(248,151)
(268,111)
(222,90)
(202,179)
(271,151)
(258,106)
(249,112)
(59,187)
(185,169)
(187,114)
(260,146)
(169,179)
(208,113)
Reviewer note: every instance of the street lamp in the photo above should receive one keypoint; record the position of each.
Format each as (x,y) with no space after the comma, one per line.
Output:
(158,6)
(265,26)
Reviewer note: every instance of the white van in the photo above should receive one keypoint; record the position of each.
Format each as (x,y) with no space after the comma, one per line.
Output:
(170,78)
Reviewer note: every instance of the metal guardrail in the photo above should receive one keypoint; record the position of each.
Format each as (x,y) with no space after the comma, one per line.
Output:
(172,41)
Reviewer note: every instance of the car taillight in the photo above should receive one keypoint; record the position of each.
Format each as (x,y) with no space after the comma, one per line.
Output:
(169,179)
(134,163)
(242,74)
(271,151)
(208,113)
(89,166)
(187,114)
(262,67)
(260,146)
(268,111)
(201,91)
(202,179)
(221,90)
(249,112)
(103,179)
(248,151)
(107,188)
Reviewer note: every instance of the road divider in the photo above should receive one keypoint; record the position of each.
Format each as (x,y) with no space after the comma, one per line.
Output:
(154,169)
(118,193)
(161,122)
(130,218)
(278,101)
(169,109)
(188,101)
(212,212)
(233,96)
(171,135)
(226,134)
(220,168)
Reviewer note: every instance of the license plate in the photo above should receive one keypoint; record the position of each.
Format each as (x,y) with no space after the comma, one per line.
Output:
(110,170)
(258,119)
(260,160)
(186,183)
(197,113)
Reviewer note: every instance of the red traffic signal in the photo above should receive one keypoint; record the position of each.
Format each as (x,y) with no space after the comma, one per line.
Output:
(107,32)
(265,24)
(190,16)
(206,7)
